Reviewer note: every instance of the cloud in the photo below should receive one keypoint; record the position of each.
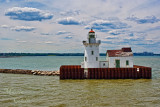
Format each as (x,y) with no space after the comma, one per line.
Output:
(1,1)
(28,14)
(8,1)
(147,19)
(5,26)
(18,28)
(34,4)
(21,41)
(23,28)
(120,32)
(131,34)
(111,37)
(69,21)
(107,42)
(62,32)
(65,34)
(153,28)
(116,32)
(70,13)
(113,32)
(107,25)
(68,37)
(5,39)
(48,42)
(46,34)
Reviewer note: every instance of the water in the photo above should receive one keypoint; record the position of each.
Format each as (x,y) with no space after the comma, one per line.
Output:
(29,90)
(39,62)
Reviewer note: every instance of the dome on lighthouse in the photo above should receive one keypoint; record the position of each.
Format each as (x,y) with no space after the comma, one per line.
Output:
(91,31)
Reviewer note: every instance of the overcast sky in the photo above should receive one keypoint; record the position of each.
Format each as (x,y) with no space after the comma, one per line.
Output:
(62,25)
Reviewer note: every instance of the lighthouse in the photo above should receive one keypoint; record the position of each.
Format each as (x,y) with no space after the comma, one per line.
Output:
(117,65)
(91,51)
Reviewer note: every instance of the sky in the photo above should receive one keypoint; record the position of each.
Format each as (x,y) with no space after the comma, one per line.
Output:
(60,26)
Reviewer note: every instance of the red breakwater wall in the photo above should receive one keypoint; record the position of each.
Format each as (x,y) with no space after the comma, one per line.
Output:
(71,72)
(119,73)
(76,72)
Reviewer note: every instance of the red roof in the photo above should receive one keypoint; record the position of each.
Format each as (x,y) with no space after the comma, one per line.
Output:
(113,53)
(126,49)
(120,53)
(91,31)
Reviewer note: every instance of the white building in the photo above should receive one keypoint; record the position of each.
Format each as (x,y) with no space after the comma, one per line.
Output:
(114,59)
(91,53)
(120,58)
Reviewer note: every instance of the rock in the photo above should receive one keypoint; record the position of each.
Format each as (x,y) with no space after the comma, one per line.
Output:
(38,72)
(33,72)
(42,73)
(49,73)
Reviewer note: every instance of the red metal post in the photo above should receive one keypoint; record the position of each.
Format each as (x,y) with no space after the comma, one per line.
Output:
(93,73)
(105,71)
(143,73)
(111,73)
(146,72)
(108,74)
(136,74)
(116,73)
(149,73)
(102,73)
(99,73)
(129,72)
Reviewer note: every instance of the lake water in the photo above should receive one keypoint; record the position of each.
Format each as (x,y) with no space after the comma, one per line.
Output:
(29,90)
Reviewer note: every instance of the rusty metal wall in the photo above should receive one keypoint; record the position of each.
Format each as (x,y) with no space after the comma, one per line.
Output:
(119,73)
(71,72)
(76,72)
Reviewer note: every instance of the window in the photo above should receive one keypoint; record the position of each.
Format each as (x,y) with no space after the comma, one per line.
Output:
(91,36)
(96,58)
(103,64)
(92,52)
(117,62)
(127,62)
(85,58)
(89,40)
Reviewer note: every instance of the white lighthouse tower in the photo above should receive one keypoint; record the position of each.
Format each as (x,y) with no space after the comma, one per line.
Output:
(91,54)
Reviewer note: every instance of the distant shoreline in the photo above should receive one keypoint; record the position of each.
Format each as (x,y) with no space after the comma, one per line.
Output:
(7,55)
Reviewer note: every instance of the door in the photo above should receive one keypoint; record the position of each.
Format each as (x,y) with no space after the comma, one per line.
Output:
(117,63)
